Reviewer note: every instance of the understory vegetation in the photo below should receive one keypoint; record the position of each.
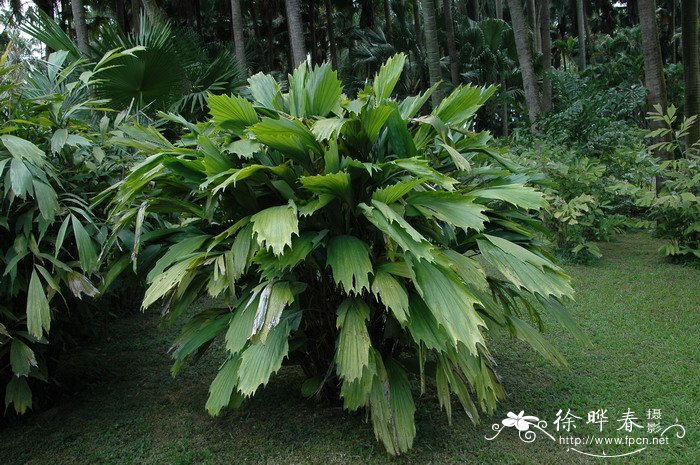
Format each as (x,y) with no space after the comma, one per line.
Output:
(370,212)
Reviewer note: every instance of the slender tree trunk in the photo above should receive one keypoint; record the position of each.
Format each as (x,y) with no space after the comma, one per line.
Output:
(120,15)
(546,40)
(653,64)
(691,65)
(330,31)
(296,32)
(238,33)
(387,21)
(534,23)
(153,11)
(80,26)
(504,119)
(522,44)
(451,45)
(312,30)
(499,9)
(581,26)
(431,48)
(416,24)
(135,15)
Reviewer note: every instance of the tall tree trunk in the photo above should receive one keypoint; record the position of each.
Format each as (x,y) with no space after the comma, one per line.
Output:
(135,15)
(432,50)
(153,11)
(522,44)
(81,32)
(238,32)
(387,21)
(534,23)
(416,24)
(296,32)
(312,29)
(367,14)
(499,9)
(546,39)
(653,64)
(451,45)
(691,65)
(330,31)
(581,27)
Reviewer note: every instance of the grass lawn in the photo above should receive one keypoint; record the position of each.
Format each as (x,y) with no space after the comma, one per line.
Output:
(642,314)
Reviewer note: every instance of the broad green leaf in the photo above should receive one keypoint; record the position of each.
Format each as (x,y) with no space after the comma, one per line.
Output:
(452,208)
(234,113)
(516,194)
(463,103)
(22,358)
(20,178)
(388,76)
(392,408)
(38,312)
(525,269)
(223,386)
(335,184)
(24,150)
(261,359)
(274,227)
(18,394)
(288,136)
(394,192)
(534,338)
(58,140)
(327,128)
(422,169)
(86,248)
(392,294)
(450,303)
(398,229)
(47,199)
(176,252)
(323,89)
(240,328)
(349,260)
(274,298)
(266,91)
(353,352)
(164,282)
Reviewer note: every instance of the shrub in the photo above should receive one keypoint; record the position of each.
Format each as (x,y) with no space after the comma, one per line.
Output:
(51,163)
(348,236)
(675,209)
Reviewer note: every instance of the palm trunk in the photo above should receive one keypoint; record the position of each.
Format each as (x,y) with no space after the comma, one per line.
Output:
(451,45)
(81,32)
(581,26)
(653,64)
(387,20)
(499,9)
(330,31)
(238,37)
(546,40)
(431,48)
(296,32)
(135,15)
(534,23)
(691,66)
(522,44)
(153,11)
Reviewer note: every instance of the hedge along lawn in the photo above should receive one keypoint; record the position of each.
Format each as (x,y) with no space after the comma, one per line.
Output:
(642,314)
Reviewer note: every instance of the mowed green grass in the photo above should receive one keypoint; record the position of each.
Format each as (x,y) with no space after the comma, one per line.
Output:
(642,314)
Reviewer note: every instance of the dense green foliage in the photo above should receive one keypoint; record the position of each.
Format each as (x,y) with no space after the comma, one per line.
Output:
(51,162)
(349,236)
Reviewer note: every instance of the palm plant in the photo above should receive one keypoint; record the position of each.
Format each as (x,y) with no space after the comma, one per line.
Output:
(51,163)
(349,236)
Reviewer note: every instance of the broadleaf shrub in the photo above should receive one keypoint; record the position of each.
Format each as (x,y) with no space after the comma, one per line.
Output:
(371,246)
(53,159)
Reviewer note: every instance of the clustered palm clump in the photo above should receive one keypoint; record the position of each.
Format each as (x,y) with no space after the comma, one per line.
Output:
(368,245)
